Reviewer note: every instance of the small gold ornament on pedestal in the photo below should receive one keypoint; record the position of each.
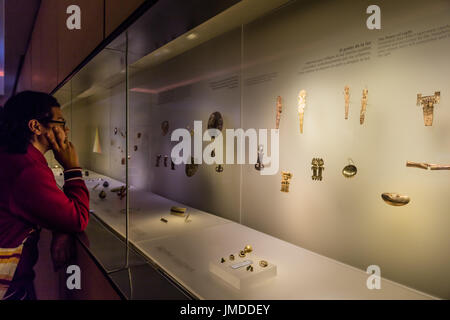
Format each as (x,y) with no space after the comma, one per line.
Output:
(301,107)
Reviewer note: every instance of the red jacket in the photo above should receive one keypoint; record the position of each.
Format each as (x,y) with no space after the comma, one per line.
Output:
(30,198)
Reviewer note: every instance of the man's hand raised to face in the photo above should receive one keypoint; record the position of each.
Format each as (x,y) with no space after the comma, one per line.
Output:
(63,149)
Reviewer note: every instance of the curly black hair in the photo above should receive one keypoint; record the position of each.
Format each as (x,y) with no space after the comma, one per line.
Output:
(15,135)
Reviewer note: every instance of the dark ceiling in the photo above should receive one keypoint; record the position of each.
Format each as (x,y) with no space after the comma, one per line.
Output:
(19,20)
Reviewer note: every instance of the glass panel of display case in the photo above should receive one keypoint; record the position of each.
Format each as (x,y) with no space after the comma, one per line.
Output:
(64,97)
(329,121)
(172,94)
(350,120)
(97,111)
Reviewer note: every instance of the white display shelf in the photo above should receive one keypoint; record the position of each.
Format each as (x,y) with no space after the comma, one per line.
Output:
(185,252)
(235,272)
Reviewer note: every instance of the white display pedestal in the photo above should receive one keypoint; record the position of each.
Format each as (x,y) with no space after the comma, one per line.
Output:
(236,274)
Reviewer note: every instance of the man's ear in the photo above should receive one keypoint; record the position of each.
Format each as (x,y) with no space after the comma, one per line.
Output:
(35,127)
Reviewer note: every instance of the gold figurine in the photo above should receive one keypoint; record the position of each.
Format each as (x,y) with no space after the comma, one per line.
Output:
(363,105)
(428,103)
(248,248)
(286,176)
(301,107)
(242,254)
(222,260)
(317,168)
(263,263)
(347,100)
(279,109)
(231,257)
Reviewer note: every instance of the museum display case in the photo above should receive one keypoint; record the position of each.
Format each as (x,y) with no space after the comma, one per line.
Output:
(347,175)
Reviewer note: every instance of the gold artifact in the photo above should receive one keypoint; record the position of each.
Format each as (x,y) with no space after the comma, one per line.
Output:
(395,199)
(426,166)
(259,164)
(439,167)
(117,189)
(222,260)
(191,168)
(347,100)
(102,194)
(286,177)
(317,168)
(135,148)
(363,105)
(250,268)
(428,103)
(215,121)
(417,165)
(178,211)
(350,170)
(279,110)
(139,135)
(121,191)
(301,107)
(263,263)
(165,127)
(248,248)
(158,160)
(219,168)
(242,253)
(164,220)
(232,257)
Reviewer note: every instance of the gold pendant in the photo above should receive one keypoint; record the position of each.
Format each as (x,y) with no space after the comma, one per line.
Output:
(317,168)
(350,170)
(279,109)
(427,104)
(363,105)
(301,107)
(347,100)
(286,177)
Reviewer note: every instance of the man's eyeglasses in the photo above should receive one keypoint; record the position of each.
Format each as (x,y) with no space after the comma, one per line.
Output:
(62,123)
